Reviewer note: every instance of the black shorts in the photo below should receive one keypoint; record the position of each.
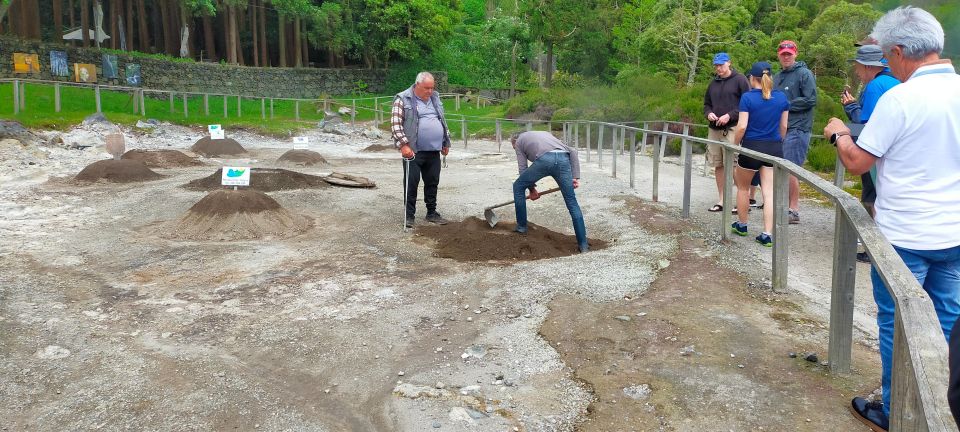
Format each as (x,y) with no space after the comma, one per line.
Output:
(868,194)
(772,148)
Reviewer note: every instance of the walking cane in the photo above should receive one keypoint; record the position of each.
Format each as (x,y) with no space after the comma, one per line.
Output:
(406,187)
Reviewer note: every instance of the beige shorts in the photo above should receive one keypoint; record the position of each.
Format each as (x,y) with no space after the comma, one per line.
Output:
(715,152)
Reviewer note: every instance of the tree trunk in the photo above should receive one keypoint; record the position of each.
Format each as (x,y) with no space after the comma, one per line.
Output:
(208,41)
(97,22)
(282,40)
(305,45)
(164,29)
(85,22)
(129,21)
(297,41)
(114,11)
(13,8)
(237,19)
(35,20)
(548,75)
(185,48)
(229,31)
(255,33)
(142,24)
(513,69)
(264,60)
(57,20)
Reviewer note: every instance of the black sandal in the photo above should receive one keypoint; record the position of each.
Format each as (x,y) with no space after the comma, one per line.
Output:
(715,208)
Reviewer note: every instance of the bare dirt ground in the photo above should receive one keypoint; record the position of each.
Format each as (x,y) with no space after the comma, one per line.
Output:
(356,325)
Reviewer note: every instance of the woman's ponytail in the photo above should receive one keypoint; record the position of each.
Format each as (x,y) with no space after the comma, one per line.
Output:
(766,85)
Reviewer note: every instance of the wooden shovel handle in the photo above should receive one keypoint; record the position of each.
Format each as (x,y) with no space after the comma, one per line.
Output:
(548,191)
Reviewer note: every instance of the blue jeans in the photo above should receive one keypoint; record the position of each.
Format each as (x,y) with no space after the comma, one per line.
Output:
(556,165)
(795,146)
(938,271)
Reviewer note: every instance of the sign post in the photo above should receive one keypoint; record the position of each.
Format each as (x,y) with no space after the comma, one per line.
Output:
(235,176)
(216,132)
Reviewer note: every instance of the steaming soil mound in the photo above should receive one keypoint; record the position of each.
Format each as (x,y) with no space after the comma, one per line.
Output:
(302,158)
(161,158)
(264,179)
(472,240)
(226,215)
(217,148)
(379,148)
(117,171)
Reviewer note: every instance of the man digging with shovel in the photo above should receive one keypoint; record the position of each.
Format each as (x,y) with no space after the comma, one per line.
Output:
(550,157)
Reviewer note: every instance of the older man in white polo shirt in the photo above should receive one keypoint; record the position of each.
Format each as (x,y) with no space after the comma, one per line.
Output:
(913,136)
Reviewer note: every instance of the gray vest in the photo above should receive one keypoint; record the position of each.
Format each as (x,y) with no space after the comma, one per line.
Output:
(411,118)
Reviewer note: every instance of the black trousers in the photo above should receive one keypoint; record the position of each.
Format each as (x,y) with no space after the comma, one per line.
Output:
(426,165)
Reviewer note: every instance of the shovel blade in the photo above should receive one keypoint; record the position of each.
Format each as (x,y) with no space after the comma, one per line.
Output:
(491,217)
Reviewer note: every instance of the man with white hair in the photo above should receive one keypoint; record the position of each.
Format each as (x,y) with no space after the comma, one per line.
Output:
(913,136)
(420,132)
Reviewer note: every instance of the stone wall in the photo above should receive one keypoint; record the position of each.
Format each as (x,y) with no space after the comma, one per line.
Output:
(188,76)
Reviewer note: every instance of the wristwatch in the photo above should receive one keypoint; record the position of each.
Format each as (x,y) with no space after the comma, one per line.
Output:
(836,136)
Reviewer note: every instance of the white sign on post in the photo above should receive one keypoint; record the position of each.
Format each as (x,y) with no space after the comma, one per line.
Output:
(235,176)
(216,132)
(300,143)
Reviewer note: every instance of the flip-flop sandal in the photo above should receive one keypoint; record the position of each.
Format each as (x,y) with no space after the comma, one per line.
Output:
(715,208)
(734,211)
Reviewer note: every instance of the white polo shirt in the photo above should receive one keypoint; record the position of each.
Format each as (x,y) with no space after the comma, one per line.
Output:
(915,133)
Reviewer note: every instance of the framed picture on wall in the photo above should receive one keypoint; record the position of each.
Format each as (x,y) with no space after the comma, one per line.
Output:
(110,66)
(84,73)
(133,74)
(26,63)
(58,64)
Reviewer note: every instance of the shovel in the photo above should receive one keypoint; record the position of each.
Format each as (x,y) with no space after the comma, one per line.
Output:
(492,218)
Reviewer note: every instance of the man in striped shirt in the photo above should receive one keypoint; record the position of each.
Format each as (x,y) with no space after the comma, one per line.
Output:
(420,132)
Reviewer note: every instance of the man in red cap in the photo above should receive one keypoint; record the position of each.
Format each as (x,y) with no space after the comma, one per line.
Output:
(800,86)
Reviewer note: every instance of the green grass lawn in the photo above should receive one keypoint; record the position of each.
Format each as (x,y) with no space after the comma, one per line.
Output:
(256,114)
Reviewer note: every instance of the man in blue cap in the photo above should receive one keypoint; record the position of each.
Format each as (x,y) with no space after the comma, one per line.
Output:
(720,106)
(872,71)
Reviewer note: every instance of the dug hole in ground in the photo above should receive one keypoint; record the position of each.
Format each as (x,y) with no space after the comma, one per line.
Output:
(346,322)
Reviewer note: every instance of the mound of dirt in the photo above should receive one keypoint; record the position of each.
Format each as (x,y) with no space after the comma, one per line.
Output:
(161,158)
(302,158)
(472,240)
(117,171)
(263,179)
(226,215)
(217,148)
(379,148)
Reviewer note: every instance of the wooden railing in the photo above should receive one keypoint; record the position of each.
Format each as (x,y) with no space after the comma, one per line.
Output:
(920,372)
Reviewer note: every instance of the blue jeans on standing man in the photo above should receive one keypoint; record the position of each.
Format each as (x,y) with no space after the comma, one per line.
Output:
(938,272)
(796,145)
(556,165)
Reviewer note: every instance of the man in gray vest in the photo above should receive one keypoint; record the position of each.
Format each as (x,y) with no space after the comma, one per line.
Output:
(549,157)
(420,132)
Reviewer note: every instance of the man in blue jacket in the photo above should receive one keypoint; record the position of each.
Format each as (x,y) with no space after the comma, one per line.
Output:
(877,79)
(800,86)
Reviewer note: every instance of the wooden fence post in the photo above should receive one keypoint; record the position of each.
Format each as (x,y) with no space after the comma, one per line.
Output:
(263,108)
(23,96)
(600,145)
(96,94)
(588,140)
(226,107)
(576,135)
(839,173)
(841,297)
(499,134)
(663,139)
(271,108)
(458,101)
(687,174)
(206,104)
(781,238)
(353,113)
(143,103)
(463,130)
(56,98)
(134,96)
(296,109)
(239,112)
(633,155)
(171,102)
(613,153)
(16,97)
(728,200)
(657,144)
(186,113)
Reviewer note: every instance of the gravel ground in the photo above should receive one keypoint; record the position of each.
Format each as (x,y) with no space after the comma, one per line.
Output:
(350,326)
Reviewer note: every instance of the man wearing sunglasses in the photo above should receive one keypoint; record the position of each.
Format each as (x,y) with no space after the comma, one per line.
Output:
(800,86)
